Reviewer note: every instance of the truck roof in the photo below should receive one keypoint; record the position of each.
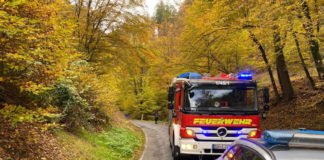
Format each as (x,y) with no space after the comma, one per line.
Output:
(193,78)
(213,81)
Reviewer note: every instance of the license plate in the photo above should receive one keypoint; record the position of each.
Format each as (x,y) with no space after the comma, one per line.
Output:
(220,146)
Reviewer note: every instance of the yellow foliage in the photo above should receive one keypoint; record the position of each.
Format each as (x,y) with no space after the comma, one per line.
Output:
(35,42)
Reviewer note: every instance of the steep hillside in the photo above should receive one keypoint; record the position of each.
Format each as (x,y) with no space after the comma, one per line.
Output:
(305,111)
(27,140)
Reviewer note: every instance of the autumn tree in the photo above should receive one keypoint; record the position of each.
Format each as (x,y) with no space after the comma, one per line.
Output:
(96,18)
(35,46)
(209,25)
(313,42)
(165,17)
(146,54)
(279,44)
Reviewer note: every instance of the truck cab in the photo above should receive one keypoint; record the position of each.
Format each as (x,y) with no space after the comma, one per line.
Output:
(206,114)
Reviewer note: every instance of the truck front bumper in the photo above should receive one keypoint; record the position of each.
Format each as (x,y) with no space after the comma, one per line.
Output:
(192,147)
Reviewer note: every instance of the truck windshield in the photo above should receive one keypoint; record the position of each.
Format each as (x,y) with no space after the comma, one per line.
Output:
(221,99)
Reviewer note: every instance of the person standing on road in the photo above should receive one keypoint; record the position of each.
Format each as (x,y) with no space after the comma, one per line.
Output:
(156,116)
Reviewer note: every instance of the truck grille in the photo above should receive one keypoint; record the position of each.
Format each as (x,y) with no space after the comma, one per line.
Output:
(217,133)
(228,128)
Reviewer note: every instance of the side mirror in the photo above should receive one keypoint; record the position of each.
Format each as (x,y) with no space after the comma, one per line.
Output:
(171,97)
(171,106)
(266,96)
(266,100)
(171,94)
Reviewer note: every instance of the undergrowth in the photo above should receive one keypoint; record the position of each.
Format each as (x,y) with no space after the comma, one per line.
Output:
(113,144)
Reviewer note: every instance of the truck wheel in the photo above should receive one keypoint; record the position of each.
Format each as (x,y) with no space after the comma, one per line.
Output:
(176,153)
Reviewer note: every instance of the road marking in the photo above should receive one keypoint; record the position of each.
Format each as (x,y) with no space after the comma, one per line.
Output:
(146,139)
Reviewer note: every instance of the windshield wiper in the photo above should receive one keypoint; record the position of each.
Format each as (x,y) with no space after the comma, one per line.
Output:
(220,112)
(236,113)
(226,113)
(196,111)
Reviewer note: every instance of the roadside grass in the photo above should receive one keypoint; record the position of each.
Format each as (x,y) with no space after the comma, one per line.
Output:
(114,144)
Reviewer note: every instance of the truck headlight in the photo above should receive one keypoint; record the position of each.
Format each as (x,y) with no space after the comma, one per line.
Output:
(188,146)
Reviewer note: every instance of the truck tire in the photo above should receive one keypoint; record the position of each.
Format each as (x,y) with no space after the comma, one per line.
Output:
(176,153)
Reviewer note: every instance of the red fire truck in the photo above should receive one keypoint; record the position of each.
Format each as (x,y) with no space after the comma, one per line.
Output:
(206,114)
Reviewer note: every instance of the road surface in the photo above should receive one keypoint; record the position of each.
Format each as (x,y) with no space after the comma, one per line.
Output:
(157,141)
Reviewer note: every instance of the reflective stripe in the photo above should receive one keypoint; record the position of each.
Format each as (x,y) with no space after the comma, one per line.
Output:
(203,137)
(231,135)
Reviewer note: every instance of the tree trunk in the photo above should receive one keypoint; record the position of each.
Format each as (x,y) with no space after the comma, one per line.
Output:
(313,43)
(141,81)
(318,23)
(310,79)
(78,8)
(282,71)
(265,59)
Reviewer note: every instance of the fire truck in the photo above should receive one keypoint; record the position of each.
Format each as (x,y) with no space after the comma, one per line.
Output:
(206,114)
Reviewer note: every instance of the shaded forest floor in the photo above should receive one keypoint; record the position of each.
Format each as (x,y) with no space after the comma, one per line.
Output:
(305,111)
(27,141)
(121,141)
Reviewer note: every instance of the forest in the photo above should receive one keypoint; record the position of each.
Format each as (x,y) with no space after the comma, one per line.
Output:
(81,65)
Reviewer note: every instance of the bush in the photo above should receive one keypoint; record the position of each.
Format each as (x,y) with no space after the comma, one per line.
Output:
(75,110)
(78,112)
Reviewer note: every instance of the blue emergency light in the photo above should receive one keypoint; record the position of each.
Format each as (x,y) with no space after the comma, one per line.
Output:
(245,76)
(286,136)
(304,131)
(278,136)
(190,75)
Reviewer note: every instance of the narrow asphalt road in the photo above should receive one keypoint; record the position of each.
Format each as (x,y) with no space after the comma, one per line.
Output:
(157,142)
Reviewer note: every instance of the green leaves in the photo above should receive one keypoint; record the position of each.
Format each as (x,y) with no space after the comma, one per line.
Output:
(15,4)
(19,114)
